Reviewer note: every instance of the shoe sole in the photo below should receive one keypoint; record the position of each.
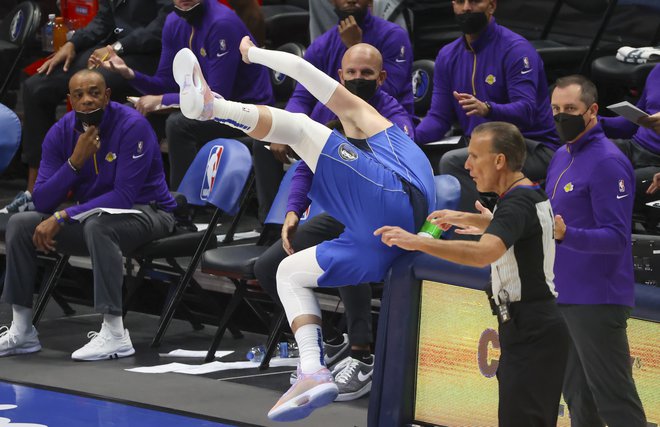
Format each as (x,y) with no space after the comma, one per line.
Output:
(27,350)
(301,406)
(345,397)
(115,355)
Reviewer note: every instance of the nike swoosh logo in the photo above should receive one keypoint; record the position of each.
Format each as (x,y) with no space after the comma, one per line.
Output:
(400,60)
(137,157)
(364,377)
(621,197)
(220,55)
(526,71)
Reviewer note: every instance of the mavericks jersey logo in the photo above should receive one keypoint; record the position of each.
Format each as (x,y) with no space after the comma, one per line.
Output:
(347,152)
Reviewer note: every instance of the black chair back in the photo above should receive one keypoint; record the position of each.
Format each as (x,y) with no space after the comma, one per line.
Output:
(284,85)
(16,29)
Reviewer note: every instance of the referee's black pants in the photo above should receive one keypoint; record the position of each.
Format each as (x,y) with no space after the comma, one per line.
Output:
(534,347)
(599,387)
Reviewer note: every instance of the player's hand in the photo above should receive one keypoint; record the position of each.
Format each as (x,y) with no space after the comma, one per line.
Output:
(282,152)
(246,44)
(148,103)
(655,184)
(560,228)
(289,228)
(349,31)
(65,54)
(471,105)
(651,122)
(43,237)
(88,144)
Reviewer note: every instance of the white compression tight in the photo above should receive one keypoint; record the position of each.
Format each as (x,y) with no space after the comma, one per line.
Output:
(296,277)
(305,136)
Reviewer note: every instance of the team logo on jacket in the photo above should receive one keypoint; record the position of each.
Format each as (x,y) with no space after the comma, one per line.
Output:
(491,79)
(212,165)
(223,45)
(347,152)
(568,187)
(622,186)
(140,147)
(110,157)
(202,52)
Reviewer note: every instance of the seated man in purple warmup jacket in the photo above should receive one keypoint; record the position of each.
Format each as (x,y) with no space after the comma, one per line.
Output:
(361,72)
(489,74)
(355,25)
(106,155)
(213,32)
(641,144)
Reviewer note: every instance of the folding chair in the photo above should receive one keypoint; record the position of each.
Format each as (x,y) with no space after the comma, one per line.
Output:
(219,176)
(237,264)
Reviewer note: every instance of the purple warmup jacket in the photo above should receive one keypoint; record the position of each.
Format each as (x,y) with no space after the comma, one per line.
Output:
(592,186)
(215,44)
(301,181)
(326,52)
(620,127)
(500,67)
(130,167)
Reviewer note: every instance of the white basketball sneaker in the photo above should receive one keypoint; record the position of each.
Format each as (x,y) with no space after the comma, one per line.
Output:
(195,96)
(103,345)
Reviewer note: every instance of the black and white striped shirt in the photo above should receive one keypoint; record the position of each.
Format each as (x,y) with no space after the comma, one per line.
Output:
(523,219)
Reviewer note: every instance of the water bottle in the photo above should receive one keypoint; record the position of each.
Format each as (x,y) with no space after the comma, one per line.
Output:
(47,34)
(283,349)
(59,33)
(430,230)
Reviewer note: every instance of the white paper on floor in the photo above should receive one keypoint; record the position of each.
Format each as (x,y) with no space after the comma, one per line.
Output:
(184,368)
(198,354)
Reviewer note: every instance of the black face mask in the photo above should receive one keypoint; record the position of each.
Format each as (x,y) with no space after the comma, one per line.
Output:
(363,88)
(569,126)
(359,15)
(93,118)
(193,16)
(472,22)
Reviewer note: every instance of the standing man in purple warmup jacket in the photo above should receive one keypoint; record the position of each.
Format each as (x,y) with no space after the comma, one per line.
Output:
(489,74)
(213,32)
(362,74)
(106,155)
(356,25)
(591,186)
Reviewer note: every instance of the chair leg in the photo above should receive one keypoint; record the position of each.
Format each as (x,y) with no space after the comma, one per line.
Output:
(173,302)
(48,288)
(66,308)
(222,327)
(273,339)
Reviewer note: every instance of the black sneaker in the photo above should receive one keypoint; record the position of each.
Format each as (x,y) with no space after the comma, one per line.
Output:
(332,355)
(21,203)
(353,379)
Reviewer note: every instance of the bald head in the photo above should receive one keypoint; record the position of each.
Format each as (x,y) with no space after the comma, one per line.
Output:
(363,54)
(88,91)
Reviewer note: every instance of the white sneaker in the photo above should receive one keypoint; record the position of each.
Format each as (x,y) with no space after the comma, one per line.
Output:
(104,345)
(11,342)
(195,96)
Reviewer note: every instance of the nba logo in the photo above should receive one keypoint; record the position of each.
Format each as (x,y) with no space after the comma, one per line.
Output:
(622,186)
(212,165)
(305,214)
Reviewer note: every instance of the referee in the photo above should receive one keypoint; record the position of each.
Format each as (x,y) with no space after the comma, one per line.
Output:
(517,241)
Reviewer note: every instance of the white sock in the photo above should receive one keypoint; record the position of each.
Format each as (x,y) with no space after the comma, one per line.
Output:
(235,114)
(22,318)
(114,324)
(310,345)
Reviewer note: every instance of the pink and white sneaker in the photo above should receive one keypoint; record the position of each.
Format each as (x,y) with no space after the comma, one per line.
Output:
(195,96)
(309,392)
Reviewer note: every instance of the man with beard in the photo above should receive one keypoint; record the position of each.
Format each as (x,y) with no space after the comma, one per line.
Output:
(488,74)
